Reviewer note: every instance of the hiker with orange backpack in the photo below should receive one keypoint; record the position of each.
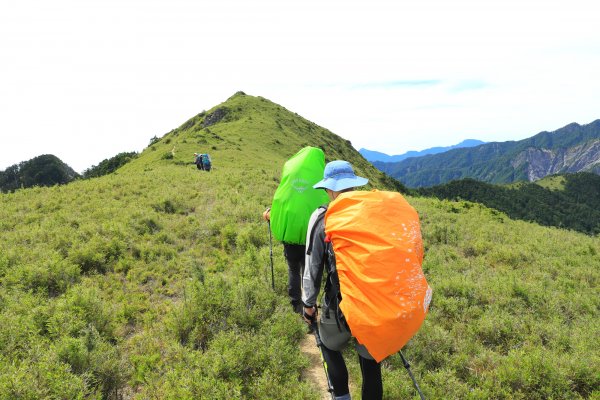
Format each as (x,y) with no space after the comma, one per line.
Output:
(370,245)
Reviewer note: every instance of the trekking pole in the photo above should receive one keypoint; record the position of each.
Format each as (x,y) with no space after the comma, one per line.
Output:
(271,254)
(407,366)
(320,345)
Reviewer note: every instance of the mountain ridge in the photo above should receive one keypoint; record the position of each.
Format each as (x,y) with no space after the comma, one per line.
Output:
(372,155)
(572,148)
(236,117)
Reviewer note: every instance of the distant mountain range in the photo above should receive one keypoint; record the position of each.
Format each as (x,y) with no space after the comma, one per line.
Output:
(373,156)
(573,148)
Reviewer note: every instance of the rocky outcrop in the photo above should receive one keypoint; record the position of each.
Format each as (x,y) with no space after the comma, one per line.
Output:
(215,117)
(541,162)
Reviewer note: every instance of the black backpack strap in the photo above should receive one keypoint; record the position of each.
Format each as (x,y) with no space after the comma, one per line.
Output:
(312,231)
(333,293)
(332,284)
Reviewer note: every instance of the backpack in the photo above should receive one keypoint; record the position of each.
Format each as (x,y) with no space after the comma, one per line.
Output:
(202,161)
(198,161)
(295,198)
(206,164)
(378,250)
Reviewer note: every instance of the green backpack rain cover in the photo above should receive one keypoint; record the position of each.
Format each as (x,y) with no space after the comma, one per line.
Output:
(295,199)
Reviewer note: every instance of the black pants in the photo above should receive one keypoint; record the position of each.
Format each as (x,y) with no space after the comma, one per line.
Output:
(372,385)
(294,255)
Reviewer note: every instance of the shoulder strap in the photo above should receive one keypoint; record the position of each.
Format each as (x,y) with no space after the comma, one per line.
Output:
(312,231)
(332,296)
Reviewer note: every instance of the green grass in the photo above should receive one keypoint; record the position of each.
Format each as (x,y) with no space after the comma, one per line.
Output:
(552,182)
(154,283)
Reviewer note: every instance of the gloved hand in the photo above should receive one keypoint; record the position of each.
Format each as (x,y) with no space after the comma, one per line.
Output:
(309,314)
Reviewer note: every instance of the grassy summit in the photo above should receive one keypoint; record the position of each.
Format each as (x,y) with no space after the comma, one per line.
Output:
(253,133)
(154,282)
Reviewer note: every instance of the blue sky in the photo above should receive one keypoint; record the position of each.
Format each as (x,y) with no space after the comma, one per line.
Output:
(85,80)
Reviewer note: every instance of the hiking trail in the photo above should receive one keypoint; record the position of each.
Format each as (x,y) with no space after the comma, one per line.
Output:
(315,372)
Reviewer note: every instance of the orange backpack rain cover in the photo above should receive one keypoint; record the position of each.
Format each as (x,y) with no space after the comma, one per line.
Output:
(376,238)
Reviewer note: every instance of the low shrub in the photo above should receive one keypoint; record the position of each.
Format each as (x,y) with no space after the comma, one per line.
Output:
(51,276)
(97,254)
(44,378)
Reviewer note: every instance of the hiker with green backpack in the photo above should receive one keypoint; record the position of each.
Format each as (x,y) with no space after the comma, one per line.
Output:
(293,202)
(370,245)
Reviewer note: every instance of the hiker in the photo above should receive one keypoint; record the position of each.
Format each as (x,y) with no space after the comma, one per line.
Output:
(338,178)
(293,202)
(294,257)
(376,292)
(202,161)
(198,160)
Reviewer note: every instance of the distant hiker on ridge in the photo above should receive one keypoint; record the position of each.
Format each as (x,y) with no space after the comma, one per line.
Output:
(294,201)
(370,244)
(198,161)
(202,161)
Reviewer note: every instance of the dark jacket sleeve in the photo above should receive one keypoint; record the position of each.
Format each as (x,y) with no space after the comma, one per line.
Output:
(315,261)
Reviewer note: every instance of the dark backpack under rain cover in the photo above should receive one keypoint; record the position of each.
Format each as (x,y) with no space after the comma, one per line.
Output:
(203,161)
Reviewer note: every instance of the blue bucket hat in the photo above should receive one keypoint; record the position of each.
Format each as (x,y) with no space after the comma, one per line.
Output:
(338,176)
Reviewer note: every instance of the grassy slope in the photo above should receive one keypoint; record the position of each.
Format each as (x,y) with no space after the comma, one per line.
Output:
(515,306)
(154,282)
(552,182)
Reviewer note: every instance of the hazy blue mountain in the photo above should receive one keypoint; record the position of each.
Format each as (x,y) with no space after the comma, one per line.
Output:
(573,148)
(372,156)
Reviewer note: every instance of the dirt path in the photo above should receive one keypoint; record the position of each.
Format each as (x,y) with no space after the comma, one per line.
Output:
(315,372)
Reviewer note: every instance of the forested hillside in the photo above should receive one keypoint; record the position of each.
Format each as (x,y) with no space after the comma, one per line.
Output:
(574,204)
(44,170)
(109,165)
(153,282)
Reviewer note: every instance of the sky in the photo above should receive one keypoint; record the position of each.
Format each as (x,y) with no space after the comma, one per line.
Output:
(87,79)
